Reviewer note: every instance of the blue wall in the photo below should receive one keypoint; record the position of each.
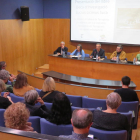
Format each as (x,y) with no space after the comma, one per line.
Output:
(10,9)
(57,8)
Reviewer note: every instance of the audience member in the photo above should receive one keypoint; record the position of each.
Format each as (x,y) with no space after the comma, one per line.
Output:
(125,92)
(61,110)
(109,119)
(21,85)
(5,101)
(16,117)
(31,97)
(3,66)
(48,91)
(81,122)
(4,75)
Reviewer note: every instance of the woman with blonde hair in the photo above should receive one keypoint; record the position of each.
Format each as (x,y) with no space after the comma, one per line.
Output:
(48,91)
(16,117)
(5,101)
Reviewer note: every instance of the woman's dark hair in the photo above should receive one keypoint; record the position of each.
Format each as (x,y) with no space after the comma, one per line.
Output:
(61,110)
(21,81)
(2,63)
(80,48)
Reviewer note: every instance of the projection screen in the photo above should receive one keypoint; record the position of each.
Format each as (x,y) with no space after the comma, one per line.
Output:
(108,21)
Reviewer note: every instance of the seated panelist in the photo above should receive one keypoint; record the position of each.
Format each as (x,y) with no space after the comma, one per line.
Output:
(138,57)
(98,51)
(78,51)
(118,53)
(61,49)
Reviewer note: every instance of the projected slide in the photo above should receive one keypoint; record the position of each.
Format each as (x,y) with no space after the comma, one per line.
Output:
(112,21)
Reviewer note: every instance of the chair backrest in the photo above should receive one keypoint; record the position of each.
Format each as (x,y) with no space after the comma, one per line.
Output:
(130,106)
(129,117)
(48,105)
(75,100)
(2,93)
(91,109)
(68,53)
(9,83)
(2,123)
(15,98)
(38,90)
(53,129)
(108,135)
(93,103)
(86,55)
(35,120)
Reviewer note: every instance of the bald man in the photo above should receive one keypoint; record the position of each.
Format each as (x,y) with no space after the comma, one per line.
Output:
(81,122)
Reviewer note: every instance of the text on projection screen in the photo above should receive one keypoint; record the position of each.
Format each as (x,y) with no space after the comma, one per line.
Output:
(114,21)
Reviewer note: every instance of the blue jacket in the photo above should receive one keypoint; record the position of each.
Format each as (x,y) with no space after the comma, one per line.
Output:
(75,52)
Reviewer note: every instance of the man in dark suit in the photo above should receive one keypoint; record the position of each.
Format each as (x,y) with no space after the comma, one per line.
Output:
(98,51)
(61,49)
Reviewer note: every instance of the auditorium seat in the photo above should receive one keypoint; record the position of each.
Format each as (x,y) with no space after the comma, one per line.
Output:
(93,103)
(35,120)
(38,90)
(48,105)
(2,93)
(53,129)
(75,100)
(2,123)
(91,109)
(130,106)
(108,135)
(9,83)
(129,117)
(86,55)
(15,98)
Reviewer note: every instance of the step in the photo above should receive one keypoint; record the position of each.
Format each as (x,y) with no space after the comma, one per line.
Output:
(43,68)
(38,74)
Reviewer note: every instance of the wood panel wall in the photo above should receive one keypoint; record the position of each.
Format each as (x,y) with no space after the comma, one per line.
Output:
(25,45)
(22,44)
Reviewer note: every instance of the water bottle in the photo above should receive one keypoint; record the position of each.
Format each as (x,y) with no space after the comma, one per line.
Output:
(134,61)
(117,60)
(97,57)
(63,54)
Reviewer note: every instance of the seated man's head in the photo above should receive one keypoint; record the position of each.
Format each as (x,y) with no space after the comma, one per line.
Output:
(81,120)
(98,47)
(126,81)
(113,101)
(2,65)
(49,84)
(119,48)
(4,75)
(62,44)
(31,97)
(16,116)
